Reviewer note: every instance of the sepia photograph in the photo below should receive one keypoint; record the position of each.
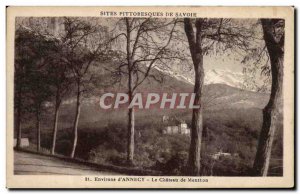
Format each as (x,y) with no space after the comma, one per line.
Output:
(125,96)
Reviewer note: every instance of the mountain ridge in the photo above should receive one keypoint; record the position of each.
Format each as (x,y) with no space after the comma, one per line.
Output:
(212,76)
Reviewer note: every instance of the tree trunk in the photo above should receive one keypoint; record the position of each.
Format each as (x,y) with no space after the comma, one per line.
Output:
(194,162)
(57,105)
(75,126)
(130,137)
(19,114)
(197,127)
(54,130)
(271,111)
(38,131)
(130,127)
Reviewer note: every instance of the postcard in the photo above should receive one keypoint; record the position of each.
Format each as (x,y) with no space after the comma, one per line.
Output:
(150,97)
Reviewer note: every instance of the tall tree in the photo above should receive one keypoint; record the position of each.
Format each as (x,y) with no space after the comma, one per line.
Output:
(147,44)
(37,78)
(59,73)
(32,57)
(61,83)
(195,42)
(273,30)
(40,92)
(21,59)
(207,36)
(80,51)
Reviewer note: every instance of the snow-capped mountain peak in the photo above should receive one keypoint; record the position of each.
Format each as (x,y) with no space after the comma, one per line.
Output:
(227,77)
(212,76)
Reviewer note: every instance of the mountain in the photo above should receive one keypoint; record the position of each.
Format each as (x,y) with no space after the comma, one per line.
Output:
(226,77)
(221,96)
(216,96)
(221,89)
(213,76)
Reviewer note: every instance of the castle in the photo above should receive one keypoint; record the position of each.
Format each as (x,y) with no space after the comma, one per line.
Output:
(175,126)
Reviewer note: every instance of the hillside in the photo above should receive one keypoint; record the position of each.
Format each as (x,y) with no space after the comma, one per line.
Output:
(218,93)
(216,97)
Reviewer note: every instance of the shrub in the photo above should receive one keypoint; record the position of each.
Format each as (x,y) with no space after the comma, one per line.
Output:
(177,164)
(104,155)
